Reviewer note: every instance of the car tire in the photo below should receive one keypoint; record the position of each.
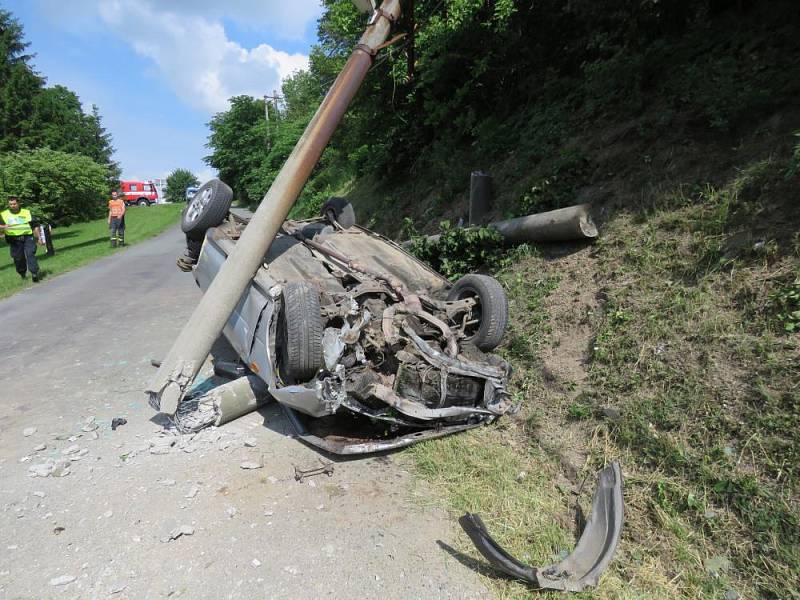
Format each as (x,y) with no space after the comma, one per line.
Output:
(207,209)
(492,308)
(143,202)
(299,333)
(341,210)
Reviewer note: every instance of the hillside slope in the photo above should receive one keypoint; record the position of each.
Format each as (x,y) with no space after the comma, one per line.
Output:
(672,343)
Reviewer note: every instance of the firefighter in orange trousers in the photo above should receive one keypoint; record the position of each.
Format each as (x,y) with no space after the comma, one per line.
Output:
(116,219)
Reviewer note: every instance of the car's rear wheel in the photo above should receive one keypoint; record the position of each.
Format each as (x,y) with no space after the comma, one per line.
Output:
(299,333)
(490,313)
(208,208)
(143,202)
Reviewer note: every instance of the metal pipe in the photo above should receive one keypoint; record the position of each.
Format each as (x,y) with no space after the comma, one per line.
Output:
(193,345)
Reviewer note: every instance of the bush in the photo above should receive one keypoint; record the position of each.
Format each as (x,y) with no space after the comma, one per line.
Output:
(177,182)
(458,251)
(58,187)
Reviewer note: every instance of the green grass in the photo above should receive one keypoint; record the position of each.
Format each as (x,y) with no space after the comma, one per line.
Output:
(83,243)
(693,342)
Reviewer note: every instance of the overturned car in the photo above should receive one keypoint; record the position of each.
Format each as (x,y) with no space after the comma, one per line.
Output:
(365,346)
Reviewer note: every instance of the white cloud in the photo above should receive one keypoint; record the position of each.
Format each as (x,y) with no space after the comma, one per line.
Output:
(188,44)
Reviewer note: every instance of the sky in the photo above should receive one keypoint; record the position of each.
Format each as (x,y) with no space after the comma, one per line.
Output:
(160,69)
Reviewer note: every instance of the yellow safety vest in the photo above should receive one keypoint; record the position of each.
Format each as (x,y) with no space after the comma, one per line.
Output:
(18,224)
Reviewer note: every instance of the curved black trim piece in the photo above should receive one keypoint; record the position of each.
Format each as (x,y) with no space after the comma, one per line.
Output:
(591,556)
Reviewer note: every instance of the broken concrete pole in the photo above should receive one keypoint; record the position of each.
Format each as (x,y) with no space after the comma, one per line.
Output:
(186,357)
(223,404)
(562,225)
(480,197)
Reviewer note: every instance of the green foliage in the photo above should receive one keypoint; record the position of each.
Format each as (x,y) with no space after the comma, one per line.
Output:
(786,304)
(177,182)
(58,187)
(457,252)
(34,116)
(794,162)
(557,188)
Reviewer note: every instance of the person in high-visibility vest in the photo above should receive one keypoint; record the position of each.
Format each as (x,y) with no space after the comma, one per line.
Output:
(116,219)
(21,233)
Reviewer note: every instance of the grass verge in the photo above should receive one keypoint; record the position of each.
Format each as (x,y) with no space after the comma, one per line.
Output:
(83,243)
(672,345)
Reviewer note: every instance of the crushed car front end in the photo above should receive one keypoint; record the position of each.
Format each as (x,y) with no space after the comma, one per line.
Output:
(366,347)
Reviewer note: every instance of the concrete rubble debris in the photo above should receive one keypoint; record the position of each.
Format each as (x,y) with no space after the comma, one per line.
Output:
(249,464)
(40,447)
(193,491)
(71,449)
(62,580)
(179,531)
(29,431)
(256,562)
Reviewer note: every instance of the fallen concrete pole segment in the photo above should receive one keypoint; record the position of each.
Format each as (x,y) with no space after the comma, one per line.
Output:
(193,345)
(561,225)
(222,404)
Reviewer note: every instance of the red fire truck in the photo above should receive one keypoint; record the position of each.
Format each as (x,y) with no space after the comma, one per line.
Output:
(142,193)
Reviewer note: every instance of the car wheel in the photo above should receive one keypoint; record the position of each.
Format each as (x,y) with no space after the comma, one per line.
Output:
(340,210)
(208,208)
(299,333)
(143,202)
(490,312)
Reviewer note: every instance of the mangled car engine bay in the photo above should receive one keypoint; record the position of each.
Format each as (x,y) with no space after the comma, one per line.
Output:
(353,334)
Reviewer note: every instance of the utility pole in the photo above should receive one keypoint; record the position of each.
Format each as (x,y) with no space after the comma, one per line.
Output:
(267,98)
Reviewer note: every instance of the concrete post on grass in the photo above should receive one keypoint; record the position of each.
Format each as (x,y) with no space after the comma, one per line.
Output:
(480,197)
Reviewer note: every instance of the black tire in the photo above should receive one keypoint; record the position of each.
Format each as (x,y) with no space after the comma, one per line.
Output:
(341,210)
(208,208)
(299,333)
(143,202)
(491,310)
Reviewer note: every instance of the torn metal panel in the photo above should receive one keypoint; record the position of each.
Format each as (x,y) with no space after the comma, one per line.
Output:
(344,446)
(592,555)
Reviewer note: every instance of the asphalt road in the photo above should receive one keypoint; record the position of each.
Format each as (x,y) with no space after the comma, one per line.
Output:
(76,353)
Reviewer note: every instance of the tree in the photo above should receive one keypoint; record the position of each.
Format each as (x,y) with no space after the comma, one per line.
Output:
(177,182)
(61,188)
(35,116)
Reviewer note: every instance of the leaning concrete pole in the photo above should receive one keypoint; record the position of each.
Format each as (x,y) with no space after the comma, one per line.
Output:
(186,357)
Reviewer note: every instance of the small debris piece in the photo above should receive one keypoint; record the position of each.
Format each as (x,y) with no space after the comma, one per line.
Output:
(178,532)
(40,447)
(118,422)
(58,530)
(42,469)
(231,512)
(29,431)
(256,562)
(272,479)
(731,594)
(521,476)
(167,482)
(39,494)
(62,580)
(268,513)
(291,570)
(108,514)
(61,469)
(193,491)
(71,449)
(250,442)
(249,464)
(116,589)
(93,435)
